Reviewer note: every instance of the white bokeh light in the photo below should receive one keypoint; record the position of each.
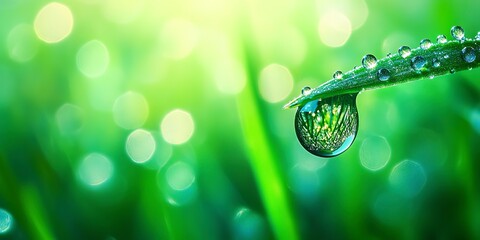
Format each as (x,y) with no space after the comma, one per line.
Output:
(140,146)
(334,28)
(93,58)
(69,118)
(180,176)
(407,178)
(177,127)
(21,43)
(53,23)
(130,110)
(275,83)
(178,38)
(95,169)
(375,153)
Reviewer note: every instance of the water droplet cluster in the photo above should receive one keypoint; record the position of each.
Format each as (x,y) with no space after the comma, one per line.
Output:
(327,127)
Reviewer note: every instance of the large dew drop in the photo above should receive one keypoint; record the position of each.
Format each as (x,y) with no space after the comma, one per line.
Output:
(369,61)
(404,51)
(327,127)
(458,33)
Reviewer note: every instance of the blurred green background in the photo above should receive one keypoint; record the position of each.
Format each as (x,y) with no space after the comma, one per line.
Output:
(142,119)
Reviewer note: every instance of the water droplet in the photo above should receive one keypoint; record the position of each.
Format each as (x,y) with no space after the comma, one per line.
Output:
(441,39)
(425,44)
(404,51)
(446,56)
(452,71)
(431,76)
(468,54)
(477,37)
(458,33)
(6,221)
(306,91)
(369,61)
(327,127)
(436,62)
(389,55)
(338,75)
(418,62)
(383,74)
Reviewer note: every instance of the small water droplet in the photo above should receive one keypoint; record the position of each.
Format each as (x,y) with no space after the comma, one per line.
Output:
(369,61)
(389,55)
(338,75)
(404,51)
(477,37)
(458,33)
(468,54)
(446,56)
(383,74)
(441,39)
(452,71)
(436,62)
(306,91)
(327,127)
(425,44)
(418,62)
(431,76)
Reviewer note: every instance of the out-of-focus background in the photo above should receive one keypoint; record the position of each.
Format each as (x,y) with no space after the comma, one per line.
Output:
(143,119)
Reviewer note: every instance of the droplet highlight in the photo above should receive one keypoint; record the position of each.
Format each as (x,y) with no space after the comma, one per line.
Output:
(477,37)
(418,62)
(369,61)
(458,33)
(441,39)
(425,44)
(327,127)
(338,75)
(383,74)
(436,62)
(306,91)
(468,54)
(404,51)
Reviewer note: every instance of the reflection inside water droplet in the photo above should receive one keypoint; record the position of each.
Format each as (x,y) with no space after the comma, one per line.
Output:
(418,62)
(436,62)
(468,54)
(383,74)
(327,127)
(369,61)
(425,44)
(458,33)
(441,39)
(338,75)
(306,91)
(404,51)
